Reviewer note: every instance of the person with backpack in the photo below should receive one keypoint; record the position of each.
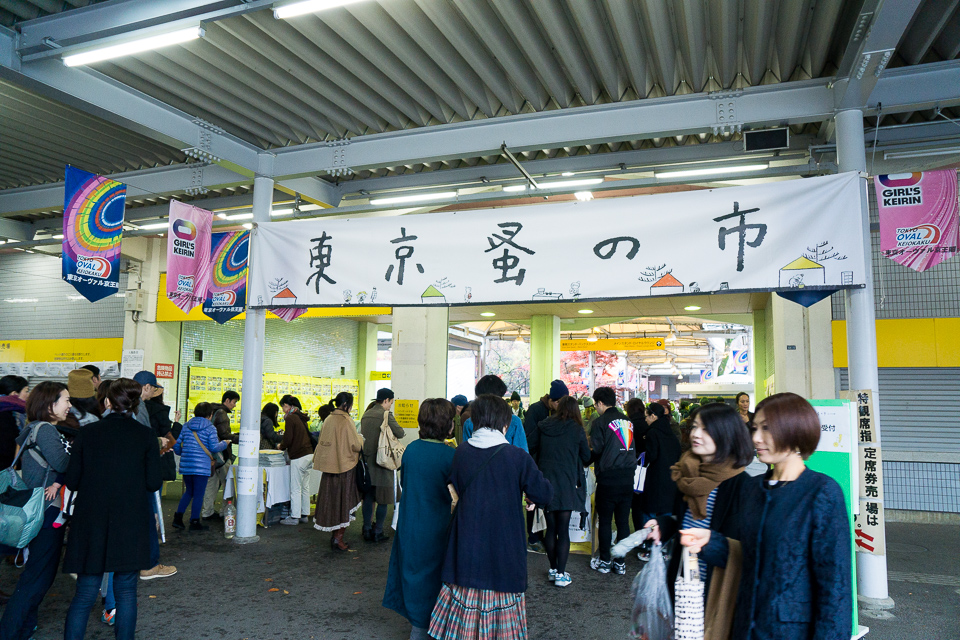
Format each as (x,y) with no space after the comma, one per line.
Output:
(114,469)
(296,442)
(13,416)
(45,455)
(615,461)
(195,446)
(383,491)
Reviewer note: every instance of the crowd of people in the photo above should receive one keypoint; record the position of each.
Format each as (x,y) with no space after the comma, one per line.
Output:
(774,549)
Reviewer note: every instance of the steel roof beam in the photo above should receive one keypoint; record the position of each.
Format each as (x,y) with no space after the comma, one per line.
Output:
(114,102)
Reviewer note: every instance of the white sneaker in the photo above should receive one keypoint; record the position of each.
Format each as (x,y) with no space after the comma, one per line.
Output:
(290,520)
(304,520)
(552,575)
(563,580)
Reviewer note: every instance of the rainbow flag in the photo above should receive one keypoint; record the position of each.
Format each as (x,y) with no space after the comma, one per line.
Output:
(227,287)
(92,232)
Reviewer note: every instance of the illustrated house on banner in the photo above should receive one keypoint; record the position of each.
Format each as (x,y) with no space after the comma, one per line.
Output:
(432,295)
(802,272)
(285,298)
(666,286)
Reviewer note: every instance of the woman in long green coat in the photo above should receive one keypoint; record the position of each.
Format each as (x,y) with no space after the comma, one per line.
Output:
(413,580)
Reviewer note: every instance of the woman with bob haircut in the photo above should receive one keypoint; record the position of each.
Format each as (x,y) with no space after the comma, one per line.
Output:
(336,456)
(114,468)
(413,580)
(795,534)
(485,570)
(709,478)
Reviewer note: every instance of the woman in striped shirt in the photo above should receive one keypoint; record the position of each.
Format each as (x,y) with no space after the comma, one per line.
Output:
(708,478)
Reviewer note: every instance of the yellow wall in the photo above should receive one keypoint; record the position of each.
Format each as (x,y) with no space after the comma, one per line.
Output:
(169,312)
(91,350)
(915,342)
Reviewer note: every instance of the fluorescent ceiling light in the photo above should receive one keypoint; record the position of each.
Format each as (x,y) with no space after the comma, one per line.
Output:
(423,197)
(20,300)
(585,311)
(671,337)
(592,337)
(247,225)
(516,187)
(222,216)
(488,314)
(564,184)
(155,225)
(59,236)
(920,153)
(692,307)
(743,168)
(135,46)
(307,6)
(583,196)
(239,216)
(567,174)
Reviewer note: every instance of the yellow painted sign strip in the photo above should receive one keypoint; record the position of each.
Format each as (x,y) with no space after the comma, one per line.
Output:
(68,350)
(379,375)
(620,344)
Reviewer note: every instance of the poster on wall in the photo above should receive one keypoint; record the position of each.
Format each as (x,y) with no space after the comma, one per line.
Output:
(188,254)
(768,237)
(93,209)
(919,217)
(227,289)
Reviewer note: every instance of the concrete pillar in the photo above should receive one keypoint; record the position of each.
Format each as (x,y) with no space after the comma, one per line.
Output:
(862,337)
(759,349)
(254,341)
(419,358)
(544,354)
(366,362)
(802,348)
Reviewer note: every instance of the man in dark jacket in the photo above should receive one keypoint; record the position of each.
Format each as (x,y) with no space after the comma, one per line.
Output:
(221,421)
(383,491)
(615,461)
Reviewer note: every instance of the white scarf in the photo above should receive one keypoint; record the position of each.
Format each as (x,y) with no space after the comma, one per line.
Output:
(487,438)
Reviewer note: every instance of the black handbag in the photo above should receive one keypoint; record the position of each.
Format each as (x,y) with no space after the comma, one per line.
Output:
(361,474)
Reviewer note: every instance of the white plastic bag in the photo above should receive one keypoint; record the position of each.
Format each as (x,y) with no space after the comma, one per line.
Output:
(652,615)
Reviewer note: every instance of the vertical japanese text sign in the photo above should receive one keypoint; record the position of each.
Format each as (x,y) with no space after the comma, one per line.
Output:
(92,233)
(868,525)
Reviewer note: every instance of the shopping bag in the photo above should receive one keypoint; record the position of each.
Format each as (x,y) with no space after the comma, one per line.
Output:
(539,522)
(652,616)
(21,509)
(389,451)
(639,476)
(688,623)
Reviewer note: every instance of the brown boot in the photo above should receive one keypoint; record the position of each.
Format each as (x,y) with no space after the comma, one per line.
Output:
(338,542)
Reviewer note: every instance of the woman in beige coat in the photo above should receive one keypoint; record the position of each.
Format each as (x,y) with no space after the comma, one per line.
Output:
(337,454)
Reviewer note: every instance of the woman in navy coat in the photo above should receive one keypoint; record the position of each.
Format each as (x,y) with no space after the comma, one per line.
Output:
(413,580)
(796,581)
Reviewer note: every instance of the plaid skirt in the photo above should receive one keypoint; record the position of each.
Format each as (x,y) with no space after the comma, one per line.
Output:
(462,613)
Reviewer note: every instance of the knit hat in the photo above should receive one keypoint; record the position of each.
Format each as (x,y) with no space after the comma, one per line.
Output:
(558,390)
(514,396)
(80,384)
(384,394)
(588,402)
(460,400)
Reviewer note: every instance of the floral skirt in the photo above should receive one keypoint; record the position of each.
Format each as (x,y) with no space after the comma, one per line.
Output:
(337,500)
(478,614)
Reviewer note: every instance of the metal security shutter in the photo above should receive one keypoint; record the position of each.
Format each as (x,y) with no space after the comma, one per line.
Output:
(919,408)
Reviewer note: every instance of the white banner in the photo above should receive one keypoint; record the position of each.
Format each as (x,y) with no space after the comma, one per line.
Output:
(788,236)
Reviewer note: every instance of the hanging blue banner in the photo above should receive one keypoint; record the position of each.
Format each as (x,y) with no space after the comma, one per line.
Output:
(92,233)
(227,285)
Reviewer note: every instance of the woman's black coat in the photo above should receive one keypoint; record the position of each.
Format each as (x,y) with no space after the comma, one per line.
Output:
(160,421)
(560,449)
(661,451)
(725,520)
(796,582)
(114,468)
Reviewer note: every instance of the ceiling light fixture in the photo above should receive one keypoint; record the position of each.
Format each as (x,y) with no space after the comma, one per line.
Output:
(139,45)
(519,339)
(423,197)
(671,337)
(585,312)
(155,225)
(568,174)
(20,300)
(516,187)
(247,225)
(565,184)
(920,153)
(584,196)
(691,307)
(592,337)
(294,9)
(239,216)
(744,168)
(488,314)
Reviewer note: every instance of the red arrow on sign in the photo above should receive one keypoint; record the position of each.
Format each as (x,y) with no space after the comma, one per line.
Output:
(861,534)
(863,545)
